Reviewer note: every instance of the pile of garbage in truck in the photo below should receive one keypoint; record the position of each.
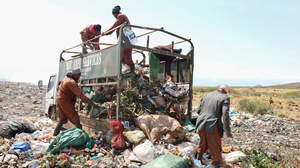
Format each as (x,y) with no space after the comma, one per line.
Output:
(138,97)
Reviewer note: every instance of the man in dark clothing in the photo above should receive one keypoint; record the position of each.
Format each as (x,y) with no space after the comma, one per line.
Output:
(213,107)
(155,58)
(66,98)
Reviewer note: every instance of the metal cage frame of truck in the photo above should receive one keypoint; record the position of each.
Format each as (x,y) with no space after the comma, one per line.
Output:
(98,66)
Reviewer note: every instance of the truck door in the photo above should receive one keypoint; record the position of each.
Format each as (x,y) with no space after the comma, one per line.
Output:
(51,94)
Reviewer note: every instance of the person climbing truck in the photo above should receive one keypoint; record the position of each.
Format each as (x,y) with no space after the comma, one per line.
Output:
(66,98)
(126,51)
(90,32)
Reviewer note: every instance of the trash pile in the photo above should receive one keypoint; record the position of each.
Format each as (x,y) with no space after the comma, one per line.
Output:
(138,98)
(21,100)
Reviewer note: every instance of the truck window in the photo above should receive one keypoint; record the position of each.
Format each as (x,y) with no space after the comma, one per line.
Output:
(51,83)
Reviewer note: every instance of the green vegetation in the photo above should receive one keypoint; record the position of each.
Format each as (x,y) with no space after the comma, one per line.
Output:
(291,95)
(258,158)
(287,86)
(254,106)
(282,115)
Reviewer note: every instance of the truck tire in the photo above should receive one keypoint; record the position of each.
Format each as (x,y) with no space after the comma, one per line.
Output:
(53,115)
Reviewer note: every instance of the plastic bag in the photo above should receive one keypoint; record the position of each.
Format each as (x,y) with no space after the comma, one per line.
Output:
(134,137)
(95,112)
(38,148)
(117,141)
(155,126)
(37,134)
(23,137)
(125,69)
(188,126)
(171,92)
(233,157)
(193,137)
(143,153)
(160,101)
(168,161)
(20,146)
(9,157)
(188,148)
(11,128)
(73,137)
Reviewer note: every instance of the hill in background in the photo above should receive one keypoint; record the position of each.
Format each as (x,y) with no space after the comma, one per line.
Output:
(287,86)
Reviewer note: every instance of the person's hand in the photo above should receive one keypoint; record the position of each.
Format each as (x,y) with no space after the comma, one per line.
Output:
(229,135)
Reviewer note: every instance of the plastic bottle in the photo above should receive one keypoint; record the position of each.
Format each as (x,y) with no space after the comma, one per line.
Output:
(196,162)
(131,36)
(156,151)
(151,100)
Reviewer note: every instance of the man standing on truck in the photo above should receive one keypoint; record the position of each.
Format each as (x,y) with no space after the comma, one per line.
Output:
(126,51)
(90,32)
(155,58)
(213,106)
(66,98)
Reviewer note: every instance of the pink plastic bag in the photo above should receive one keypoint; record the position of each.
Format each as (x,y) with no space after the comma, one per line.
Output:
(117,142)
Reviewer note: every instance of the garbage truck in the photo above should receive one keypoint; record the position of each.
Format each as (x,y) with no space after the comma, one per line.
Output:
(101,72)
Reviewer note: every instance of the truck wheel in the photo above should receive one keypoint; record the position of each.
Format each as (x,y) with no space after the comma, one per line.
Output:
(53,114)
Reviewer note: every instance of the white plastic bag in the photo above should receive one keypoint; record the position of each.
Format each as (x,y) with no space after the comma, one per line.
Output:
(37,134)
(38,148)
(233,157)
(193,137)
(188,148)
(23,137)
(125,69)
(143,153)
(171,92)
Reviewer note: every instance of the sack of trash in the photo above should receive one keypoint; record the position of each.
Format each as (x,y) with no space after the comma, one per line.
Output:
(155,126)
(168,160)
(38,148)
(11,128)
(23,137)
(143,153)
(134,137)
(233,157)
(73,137)
(117,141)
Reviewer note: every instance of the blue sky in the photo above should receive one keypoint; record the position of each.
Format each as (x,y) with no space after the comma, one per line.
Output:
(239,43)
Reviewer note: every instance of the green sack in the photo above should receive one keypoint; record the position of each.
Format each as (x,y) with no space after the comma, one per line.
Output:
(168,161)
(95,112)
(188,125)
(86,89)
(73,137)
(154,67)
(98,98)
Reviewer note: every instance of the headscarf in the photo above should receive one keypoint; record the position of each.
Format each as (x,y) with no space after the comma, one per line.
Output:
(116,9)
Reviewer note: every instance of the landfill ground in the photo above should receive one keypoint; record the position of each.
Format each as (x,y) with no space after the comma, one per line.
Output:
(18,101)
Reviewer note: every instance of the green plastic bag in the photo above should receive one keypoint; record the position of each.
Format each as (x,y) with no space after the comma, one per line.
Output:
(98,98)
(188,125)
(73,137)
(154,67)
(95,112)
(168,161)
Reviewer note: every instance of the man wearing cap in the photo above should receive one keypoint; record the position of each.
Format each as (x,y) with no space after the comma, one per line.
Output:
(155,58)
(126,51)
(66,98)
(214,108)
(90,32)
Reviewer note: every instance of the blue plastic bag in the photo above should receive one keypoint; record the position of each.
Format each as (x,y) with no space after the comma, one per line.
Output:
(20,146)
